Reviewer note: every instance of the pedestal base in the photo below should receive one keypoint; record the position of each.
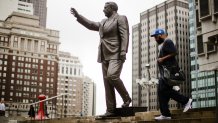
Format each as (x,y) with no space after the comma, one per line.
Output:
(129,111)
(124,112)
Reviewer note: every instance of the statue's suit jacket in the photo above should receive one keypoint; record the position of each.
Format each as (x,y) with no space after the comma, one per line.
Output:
(114,36)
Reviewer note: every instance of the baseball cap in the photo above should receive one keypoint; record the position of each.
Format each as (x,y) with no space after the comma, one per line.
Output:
(158,32)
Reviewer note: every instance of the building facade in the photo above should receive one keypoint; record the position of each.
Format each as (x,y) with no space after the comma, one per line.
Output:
(28,60)
(204,16)
(89,98)
(70,81)
(172,15)
(40,10)
(136,64)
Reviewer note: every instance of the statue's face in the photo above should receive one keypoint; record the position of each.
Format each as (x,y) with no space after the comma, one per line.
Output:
(107,10)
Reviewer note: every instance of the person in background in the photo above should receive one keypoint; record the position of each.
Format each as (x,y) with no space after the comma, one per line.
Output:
(2,108)
(166,57)
(46,111)
(31,112)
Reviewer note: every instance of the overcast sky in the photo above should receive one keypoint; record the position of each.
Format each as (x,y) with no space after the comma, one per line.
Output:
(83,43)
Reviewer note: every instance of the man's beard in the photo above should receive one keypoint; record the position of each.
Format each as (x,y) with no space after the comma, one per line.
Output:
(160,41)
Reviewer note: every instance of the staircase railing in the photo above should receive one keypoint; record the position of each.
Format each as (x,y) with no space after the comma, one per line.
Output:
(51,98)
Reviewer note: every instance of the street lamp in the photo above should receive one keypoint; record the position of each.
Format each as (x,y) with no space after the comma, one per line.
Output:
(147,81)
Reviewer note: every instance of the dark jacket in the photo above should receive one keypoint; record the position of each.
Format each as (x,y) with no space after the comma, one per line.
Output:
(167,48)
(31,112)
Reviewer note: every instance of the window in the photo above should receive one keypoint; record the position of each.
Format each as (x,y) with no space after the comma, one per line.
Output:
(216,6)
(70,71)
(62,70)
(36,46)
(213,39)
(29,46)
(210,47)
(11,93)
(15,44)
(42,46)
(22,44)
(200,44)
(66,70)
(74,71)
(204,8)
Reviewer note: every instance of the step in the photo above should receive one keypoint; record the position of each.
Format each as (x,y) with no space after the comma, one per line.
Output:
(146,116)
(177,114)
(194,114)
(186,120)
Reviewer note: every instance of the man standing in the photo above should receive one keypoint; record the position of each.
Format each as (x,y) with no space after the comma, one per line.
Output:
(167,53)
(2,108)
(31,112)
(114,40)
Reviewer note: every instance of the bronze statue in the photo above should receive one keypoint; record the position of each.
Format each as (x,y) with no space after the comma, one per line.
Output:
(113,46)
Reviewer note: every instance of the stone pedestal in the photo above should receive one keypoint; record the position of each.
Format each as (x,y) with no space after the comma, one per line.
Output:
(129,111)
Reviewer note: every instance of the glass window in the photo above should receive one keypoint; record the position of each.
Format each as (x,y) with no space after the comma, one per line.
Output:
(70,71)
(200,44)
(11,93)
(62,70)
(204,8)
(210,47)
(74,71)
(197,19)
(22,44)
(216,5)
(66,70)
(42,47)
(15,43)
(36,46)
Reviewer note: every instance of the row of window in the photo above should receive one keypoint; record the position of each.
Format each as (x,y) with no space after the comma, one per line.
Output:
(71,61)
(27,59)
(208,103)
(168,14)
(33,45)
(70,71)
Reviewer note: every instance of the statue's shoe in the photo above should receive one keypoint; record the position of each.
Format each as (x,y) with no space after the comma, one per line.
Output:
(126,104)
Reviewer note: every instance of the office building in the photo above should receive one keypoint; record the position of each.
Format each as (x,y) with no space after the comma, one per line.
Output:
(136,64)
(70,81)
(89,98)
(203,44)
(28,60)
(40,9)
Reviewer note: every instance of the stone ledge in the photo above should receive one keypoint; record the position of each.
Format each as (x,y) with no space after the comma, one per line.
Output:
(206,115)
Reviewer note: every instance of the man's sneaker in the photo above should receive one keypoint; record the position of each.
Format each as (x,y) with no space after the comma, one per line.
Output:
(161,117)
(188,105)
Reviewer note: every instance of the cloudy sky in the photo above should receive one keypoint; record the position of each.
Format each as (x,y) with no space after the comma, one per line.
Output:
(83,43)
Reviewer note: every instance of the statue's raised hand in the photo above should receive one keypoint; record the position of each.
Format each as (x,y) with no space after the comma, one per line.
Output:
(74,12)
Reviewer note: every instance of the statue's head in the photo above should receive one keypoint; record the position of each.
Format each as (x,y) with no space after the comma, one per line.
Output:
(110,8)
